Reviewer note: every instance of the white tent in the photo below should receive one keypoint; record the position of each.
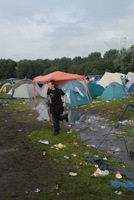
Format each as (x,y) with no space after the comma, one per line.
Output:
(108,78)
(130,77)
(43,92)
(24,89)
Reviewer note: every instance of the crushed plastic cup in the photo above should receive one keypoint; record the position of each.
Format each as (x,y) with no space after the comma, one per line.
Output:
(73,174)
(118,175)
(37,190)
(118,192)
(43,141)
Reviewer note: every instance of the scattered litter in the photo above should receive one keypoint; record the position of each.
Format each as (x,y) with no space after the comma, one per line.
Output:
(20,130)
(127,122)
(59,146)
(55,187)
(75,143)
(105,158)
(119,132)
(66,157)
(74,154)
(5,120)
(96,156)
(95,165)
(83,163)
(44,153)
(73,174)
(118,175)
(90,145)
(128,185)
(103,127)
(43,141)
(118,192)
(37,190)
(99,172)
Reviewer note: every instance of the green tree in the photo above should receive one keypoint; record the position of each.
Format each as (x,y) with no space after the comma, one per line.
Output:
(7,68)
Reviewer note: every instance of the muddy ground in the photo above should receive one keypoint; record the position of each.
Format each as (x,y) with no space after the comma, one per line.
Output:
(22,167)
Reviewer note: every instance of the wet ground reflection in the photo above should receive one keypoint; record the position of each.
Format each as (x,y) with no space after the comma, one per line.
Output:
(97,132)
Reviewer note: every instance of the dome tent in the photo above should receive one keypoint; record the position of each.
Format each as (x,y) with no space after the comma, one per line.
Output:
(114,91)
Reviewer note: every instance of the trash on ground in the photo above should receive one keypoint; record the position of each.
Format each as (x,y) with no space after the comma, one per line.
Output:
(73,174)
(43,141)
(75,143)
(74,154)
(90,145)
(83,163)
(55,187)
(66,157)
(20,130)
(96,156)
(129,185)
(105,158)
(99,172)
(118,192)
(44,153)
(95,165)
(119,132)
(37,190)
(118,175)
(60,146)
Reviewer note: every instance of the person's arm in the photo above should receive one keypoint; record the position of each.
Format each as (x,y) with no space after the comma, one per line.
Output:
(64,100)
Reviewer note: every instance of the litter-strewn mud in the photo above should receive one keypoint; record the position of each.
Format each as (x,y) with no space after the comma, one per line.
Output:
(96,131)
(23,167)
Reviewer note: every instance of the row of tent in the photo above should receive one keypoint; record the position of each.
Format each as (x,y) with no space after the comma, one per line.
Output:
(78,90)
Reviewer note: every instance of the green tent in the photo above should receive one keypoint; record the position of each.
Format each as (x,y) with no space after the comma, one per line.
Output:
(95,89)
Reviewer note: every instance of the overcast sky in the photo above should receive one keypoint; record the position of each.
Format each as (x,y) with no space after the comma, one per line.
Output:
(32,29)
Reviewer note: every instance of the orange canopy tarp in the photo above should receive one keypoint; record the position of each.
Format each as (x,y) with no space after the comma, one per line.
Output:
(60,77)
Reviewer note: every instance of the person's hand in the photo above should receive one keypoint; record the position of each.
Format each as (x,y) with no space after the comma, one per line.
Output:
(64,104)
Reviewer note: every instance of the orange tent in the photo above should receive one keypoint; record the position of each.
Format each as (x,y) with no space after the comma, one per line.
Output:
(60,77)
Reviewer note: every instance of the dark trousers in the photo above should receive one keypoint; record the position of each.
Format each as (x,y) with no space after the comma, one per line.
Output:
(57,117)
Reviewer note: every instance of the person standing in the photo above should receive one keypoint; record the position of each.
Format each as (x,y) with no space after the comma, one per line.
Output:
(56,105)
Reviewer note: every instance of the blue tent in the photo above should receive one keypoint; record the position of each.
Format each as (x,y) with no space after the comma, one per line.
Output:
(95,89)
(114,91)
(131,89)
(76,93)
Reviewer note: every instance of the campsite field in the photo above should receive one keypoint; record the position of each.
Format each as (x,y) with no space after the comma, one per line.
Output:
(31,170)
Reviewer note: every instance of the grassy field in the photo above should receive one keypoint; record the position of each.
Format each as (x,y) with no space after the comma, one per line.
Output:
(72,177)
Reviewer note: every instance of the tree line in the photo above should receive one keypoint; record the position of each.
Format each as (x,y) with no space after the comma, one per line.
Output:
(121,61)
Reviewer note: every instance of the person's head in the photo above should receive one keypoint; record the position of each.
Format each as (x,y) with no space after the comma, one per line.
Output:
(52,84)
